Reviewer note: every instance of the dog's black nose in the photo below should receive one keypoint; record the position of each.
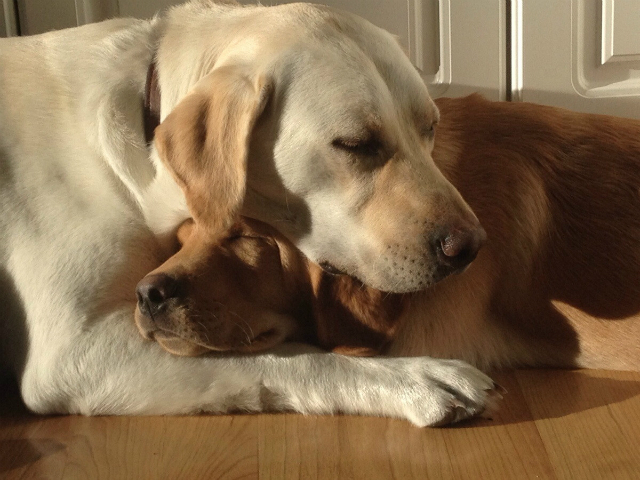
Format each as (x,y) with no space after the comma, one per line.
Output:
(458,247)
(153,291)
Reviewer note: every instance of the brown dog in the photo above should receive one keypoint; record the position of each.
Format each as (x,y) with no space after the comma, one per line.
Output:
(557,283)
(253,291)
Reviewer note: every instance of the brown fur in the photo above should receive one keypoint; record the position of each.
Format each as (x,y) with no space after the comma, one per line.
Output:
(352,318)
(557,193)
(256,301)
(557,282)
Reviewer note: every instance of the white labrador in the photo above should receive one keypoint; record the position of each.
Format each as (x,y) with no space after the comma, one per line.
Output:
(311,120)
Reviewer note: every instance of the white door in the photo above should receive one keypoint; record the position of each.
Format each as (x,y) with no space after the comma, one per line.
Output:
(37,16)
(3,27)
(8,17)
(579,54)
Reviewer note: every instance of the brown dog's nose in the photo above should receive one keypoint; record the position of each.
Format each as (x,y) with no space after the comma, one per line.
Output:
(153,291)
(458,247)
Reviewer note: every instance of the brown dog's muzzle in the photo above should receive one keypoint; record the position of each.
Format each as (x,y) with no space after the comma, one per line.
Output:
(158,294)
(153,292)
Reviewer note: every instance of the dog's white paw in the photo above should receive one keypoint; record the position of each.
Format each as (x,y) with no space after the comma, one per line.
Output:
(440,392)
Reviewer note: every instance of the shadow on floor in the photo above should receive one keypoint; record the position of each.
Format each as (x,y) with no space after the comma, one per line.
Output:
(548,394)
(14,422)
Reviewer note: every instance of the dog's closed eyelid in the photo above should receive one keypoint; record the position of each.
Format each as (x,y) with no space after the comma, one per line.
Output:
(369,147)
(429,130)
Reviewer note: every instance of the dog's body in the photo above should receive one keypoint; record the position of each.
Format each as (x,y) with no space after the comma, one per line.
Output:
(557,282)
(555,285)
(88,209)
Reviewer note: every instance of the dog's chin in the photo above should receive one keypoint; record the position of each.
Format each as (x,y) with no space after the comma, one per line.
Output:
(178,346)
(388,282)
(336,272)
(145,325)
(169,341)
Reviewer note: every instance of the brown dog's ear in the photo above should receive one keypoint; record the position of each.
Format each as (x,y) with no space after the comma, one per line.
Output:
(204,142)
(353,319)
(185,230)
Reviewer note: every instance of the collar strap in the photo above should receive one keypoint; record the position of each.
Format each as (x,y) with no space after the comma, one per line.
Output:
(151,103)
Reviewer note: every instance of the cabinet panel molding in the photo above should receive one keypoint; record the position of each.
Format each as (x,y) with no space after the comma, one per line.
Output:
(620,31)
(562,45)
(619,75)
(89,11)
(9,19)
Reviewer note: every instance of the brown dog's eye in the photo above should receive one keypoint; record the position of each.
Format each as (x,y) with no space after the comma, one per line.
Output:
(429,131)
(368,148)
(233,237)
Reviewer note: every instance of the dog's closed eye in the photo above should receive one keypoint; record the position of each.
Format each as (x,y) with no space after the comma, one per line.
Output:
(368,147)
(429,131)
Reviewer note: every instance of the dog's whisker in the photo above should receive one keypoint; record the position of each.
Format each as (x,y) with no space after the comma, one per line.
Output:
(250,335)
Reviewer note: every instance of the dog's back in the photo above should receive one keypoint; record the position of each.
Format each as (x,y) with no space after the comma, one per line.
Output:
(557,283)
(59,201)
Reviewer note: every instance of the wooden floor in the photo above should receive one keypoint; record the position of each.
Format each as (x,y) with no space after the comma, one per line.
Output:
(553,424)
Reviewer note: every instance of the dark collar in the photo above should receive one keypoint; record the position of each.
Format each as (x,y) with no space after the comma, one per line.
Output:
(151,103)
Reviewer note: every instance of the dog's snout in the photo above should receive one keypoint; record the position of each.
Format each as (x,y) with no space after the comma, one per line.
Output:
(458,247)
(153,291)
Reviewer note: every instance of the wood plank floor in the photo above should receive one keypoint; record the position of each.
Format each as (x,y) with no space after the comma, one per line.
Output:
(553,424)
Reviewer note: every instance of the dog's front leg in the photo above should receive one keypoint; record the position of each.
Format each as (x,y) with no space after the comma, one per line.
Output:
(423,390)
(111,371)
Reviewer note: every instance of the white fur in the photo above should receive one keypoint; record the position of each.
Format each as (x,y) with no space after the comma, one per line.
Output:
(87,211)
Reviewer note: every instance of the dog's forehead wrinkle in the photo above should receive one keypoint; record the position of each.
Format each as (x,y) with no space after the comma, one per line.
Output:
(306,58)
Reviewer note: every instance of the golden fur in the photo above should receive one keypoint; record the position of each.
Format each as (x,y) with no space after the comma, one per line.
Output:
(204,143)
(256,302)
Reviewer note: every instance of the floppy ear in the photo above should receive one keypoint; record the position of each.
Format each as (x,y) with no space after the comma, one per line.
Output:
(204,143)
(353,319)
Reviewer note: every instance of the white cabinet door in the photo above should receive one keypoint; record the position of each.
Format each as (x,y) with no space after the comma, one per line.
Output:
(143,8)
(3,27)
(472,42)
(579,54)
(38,16)
(8,19)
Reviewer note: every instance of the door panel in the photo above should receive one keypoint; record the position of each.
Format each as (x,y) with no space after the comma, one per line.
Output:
(143,8)
(38,16)
(620,31)
(89,11)
(3,28)
(586,56)
(475,46)
(8,19)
